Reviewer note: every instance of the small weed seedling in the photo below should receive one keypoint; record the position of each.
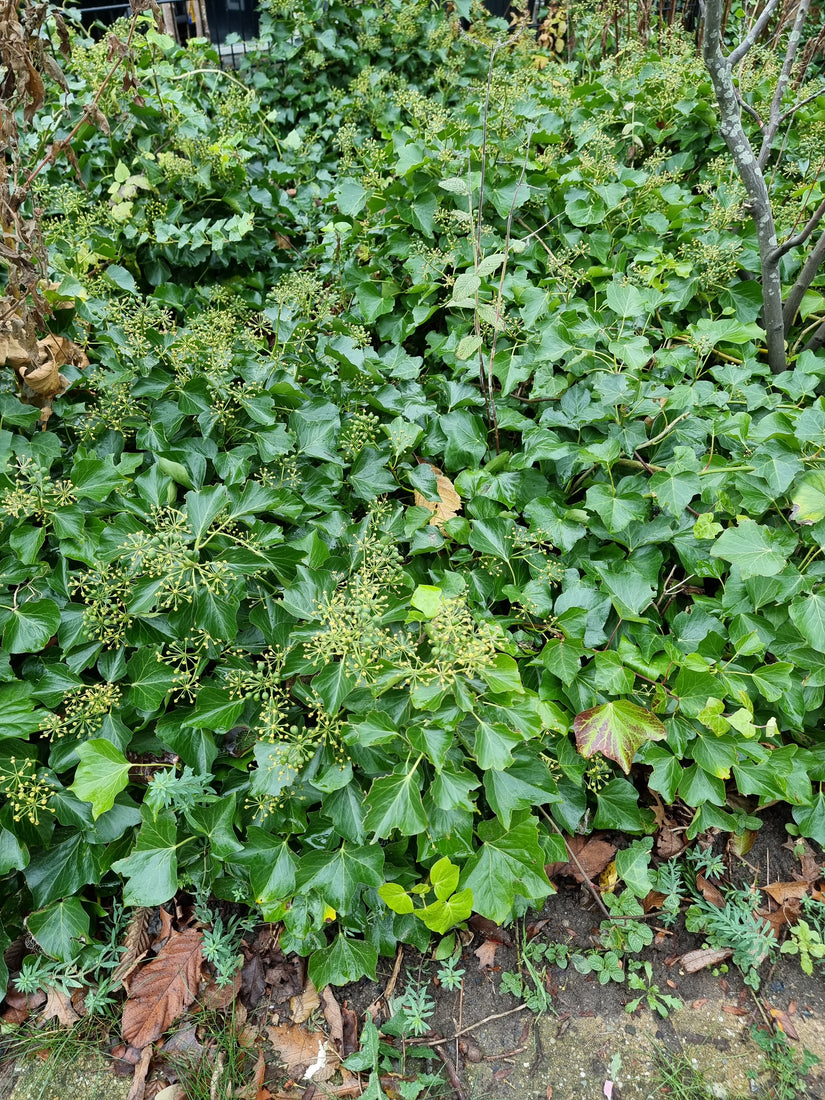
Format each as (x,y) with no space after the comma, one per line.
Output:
(640,977)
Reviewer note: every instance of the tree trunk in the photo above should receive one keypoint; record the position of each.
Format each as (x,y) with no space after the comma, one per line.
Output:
(721,74)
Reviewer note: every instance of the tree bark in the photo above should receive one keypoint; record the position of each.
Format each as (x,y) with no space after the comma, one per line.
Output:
(721,74)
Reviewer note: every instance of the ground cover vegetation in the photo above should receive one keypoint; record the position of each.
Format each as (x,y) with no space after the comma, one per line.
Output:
(394,478)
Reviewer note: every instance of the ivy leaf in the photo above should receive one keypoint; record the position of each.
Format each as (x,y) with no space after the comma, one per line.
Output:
(808,616)
(61,870)
(509,863)
(808,498)
(151,871)
(271,864)
(338,876)
(61,930)
(394,802)
(617,807)
(150,678)
(442,915)
(30,626)
(102,774)
(345,960)
(617,730)
(750,546)
(633,866)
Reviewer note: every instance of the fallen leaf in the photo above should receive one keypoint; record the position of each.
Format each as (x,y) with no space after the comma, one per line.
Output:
(141,1069)
(486,954)
(448,504)
(124,1060)
(669,842)
(781,892)
(592,853)
(165,927)
(709,892)
(135,945)
(172,1092)
(218,997)
(778,918)
(161,989)
(58,1004)
(653,900)
(734,1010)
(253,985)
(700,1003)
(487,928)
(333,1017)
(184,1041)
(350,1018)
(694,961)
(303,1004)
(783,1022)
(299,1049)
(740,845)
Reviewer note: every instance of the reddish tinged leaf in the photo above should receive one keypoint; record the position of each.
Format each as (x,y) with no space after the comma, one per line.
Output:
(160,990)
(734,1010)
(617,730)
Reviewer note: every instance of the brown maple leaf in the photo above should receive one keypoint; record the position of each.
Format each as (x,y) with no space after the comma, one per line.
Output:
(486,953)
(58,1004)
(161,989)
(448,504)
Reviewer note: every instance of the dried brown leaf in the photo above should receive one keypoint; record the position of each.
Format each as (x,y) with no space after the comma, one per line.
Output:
(784,1023)
(303,1004)
(592,853)
(135,945)
(139,1081)
(161,989)
(333,1017)
(59,1005)
(710,892)
(486,954)
(693,961)
(299,1050)
(448,504)
(781,892)
(219,997)
(350,1018)
(172,1092)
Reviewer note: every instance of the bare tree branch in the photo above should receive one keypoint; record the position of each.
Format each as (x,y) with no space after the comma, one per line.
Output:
(775,113)
(735,56)
(804,280)
(802,235)
(720,69)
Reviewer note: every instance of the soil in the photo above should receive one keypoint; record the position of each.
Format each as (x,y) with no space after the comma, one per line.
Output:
(586,1045)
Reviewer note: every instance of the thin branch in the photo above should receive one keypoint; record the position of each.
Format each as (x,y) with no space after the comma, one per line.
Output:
(801,103)
(665,432)
(775,113)
(803,281)
(735,56)
(746,107)
(802,235)
(574,859)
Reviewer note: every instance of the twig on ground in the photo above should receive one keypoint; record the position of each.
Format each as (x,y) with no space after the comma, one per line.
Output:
(451,1073)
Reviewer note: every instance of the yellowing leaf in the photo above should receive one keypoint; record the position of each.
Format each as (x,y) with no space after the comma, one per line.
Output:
(449,502)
